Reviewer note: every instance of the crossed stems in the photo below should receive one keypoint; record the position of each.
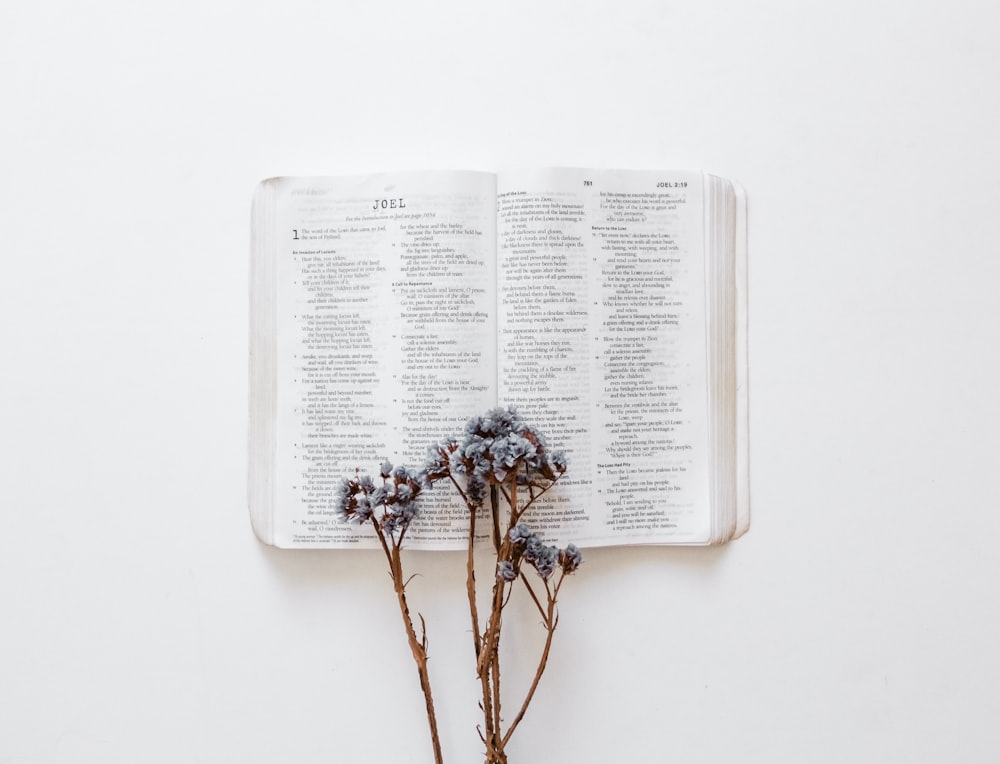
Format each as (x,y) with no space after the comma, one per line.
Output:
(487,643)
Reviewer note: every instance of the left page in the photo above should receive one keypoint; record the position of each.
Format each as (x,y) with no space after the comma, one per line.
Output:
(384,305)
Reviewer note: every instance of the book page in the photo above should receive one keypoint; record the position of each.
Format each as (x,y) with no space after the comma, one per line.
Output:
(385,338)
(602,344)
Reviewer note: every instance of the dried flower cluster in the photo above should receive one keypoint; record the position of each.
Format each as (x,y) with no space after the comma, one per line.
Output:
(501,458)
(393,504)
(544,559)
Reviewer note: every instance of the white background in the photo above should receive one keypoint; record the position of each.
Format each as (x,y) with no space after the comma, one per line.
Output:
(857,621)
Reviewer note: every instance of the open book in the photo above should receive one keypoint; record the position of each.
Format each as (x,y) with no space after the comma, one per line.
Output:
(608,306)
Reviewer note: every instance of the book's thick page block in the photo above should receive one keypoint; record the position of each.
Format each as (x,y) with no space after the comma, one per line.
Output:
(263,366)
(610,306)
(742,369)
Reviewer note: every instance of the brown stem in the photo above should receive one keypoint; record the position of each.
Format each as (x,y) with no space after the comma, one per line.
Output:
(488,664)
(533,497)
(495,671)
(534,597)
(458,488)
(495,511)
(489,732)
(418,647)
(514,514)
(488,669)
(470,582)
(551,620)
(492,636)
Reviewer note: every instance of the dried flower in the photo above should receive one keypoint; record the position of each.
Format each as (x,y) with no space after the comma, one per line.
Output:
(438,466)
(520,533)
(570,558)
(495,445)
(476,492)
(506,571)
(393,504)
(543,558)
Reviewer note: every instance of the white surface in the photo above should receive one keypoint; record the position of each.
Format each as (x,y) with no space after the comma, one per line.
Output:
(857,621)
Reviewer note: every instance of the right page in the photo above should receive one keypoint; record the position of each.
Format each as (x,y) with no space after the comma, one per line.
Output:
(603,343)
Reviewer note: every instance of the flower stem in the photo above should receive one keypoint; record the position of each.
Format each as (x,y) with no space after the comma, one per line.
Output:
(551,619)
(418,647)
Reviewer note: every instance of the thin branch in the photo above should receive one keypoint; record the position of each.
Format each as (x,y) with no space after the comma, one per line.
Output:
(495,673)
(506,599)
(385,546)
(536,496)
(551,620)
(534,597)
(504,492)
(470,583)
(458,488)
(418,648)
(495,511)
